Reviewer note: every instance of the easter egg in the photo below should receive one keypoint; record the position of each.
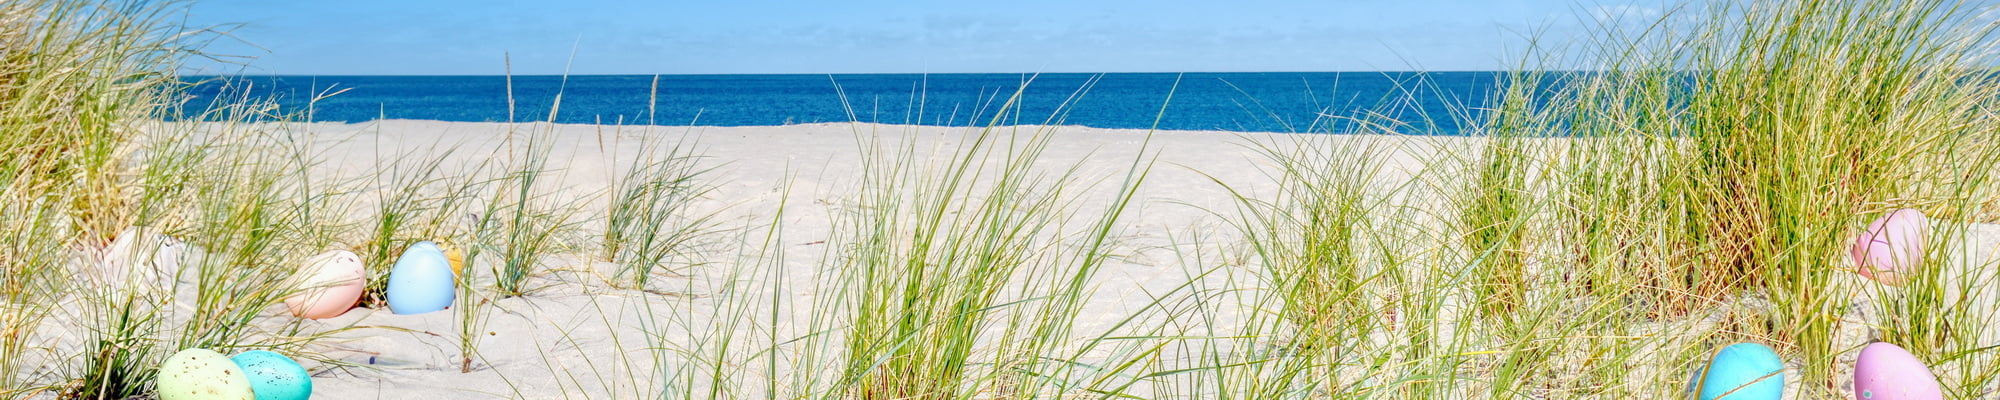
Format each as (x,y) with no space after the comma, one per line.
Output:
(273,376)
(201,374)
(421,281)
(1742,371)
(457,260)
(143,256)
(1890,249)
(1887,372)
(329,284)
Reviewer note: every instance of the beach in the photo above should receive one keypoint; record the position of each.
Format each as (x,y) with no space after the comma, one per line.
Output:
(779,193)
(581,336)
(1743,200)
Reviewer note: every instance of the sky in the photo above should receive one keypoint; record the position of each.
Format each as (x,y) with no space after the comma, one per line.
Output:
(482,37)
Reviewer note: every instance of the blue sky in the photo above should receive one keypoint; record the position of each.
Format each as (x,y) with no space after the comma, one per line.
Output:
(459,37)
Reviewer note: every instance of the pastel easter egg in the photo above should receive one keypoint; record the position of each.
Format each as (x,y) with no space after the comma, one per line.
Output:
(1742,371)
(329,284)
(141,255)
(274,376)
(1892,247)
(1887,372)
(457,260)
(201,374)
(421,281)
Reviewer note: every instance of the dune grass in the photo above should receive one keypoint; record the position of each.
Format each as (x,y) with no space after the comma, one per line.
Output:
(1597,236)
(74,78)
(1806,120)
(648,223)
(939,255)
(530,222)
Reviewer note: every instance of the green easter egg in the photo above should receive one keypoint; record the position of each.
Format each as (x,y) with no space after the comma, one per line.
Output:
(201,374)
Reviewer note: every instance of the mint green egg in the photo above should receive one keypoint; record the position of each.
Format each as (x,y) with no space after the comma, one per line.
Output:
(274,376)
(202,374)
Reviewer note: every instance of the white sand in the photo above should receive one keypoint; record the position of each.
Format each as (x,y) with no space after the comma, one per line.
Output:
(580,338)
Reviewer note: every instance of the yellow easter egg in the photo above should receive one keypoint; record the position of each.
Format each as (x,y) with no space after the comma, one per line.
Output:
(457,259)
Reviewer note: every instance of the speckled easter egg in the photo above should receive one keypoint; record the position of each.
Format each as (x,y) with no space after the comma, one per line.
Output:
(329,284)
(201,374)
(1892,247)
(421,281)
(1887,372)
(1742,371)
(274,376)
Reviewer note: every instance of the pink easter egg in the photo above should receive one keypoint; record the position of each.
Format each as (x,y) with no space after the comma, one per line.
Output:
(1887,372)
(1892,247)
(329,284)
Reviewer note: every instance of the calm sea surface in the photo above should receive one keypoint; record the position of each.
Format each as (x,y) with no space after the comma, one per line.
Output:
(1246,102)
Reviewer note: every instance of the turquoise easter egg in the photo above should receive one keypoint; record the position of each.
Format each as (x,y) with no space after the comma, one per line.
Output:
(421,281)
(274,376)
(1742,371)
(202,374)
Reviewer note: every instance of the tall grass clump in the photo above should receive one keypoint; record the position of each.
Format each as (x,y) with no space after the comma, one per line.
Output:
(960,275)
(1735,156)
(529,220)
(82,87)
(29,292)
(1313,240)
(1500,200)
(1314,245)
(76,76)
(1373,262)
(648,222)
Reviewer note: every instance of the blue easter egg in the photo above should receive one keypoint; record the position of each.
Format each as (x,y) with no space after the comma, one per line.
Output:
(274,376)
(422,280)
(1742,371)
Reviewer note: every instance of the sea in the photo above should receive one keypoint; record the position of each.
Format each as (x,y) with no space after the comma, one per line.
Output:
(1437,103)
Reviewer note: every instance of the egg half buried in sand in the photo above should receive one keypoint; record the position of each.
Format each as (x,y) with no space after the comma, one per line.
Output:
(1742,371)
(457,259)
(143,256)
(273,376)
(201,374)
(330,283)
(1887,372)
(1890,249)
(422,280)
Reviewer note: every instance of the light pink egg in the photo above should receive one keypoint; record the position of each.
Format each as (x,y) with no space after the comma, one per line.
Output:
(329,283)
(1887,372)
(1892,247)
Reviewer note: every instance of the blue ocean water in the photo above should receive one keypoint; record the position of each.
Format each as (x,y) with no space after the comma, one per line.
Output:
(1432,102)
